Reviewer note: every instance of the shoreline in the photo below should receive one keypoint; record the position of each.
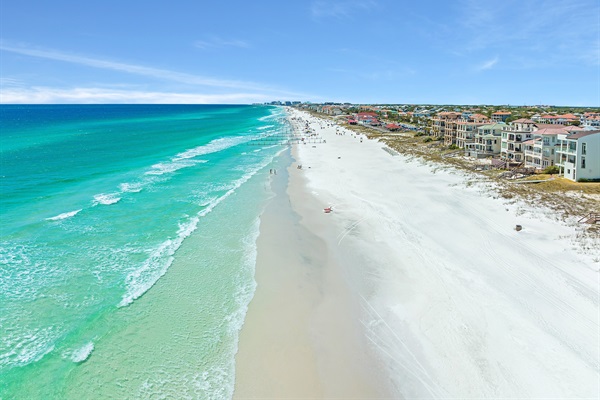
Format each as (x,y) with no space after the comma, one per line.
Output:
(443,297)
(302,336)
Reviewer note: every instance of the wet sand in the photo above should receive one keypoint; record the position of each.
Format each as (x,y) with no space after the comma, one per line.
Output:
(302,337)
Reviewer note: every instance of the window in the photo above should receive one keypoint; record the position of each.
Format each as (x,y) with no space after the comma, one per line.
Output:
(582,162)
(583,148)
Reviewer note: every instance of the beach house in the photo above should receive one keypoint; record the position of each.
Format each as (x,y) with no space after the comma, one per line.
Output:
(421,113)
(487,141)
(332,110)
(541,151)
(579,155)
(444,124)
(590,121)
(558,119)
(513,136)
(367,118)
(500,116)
(466,129)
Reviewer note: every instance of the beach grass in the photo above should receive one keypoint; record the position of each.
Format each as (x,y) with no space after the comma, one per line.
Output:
(570,200)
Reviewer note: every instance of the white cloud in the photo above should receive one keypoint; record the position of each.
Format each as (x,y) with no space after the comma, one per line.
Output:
(487,64)
(163,74)
(7,81)
(91,95)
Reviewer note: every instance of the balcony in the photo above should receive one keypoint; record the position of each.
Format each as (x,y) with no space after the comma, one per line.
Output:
(567,149)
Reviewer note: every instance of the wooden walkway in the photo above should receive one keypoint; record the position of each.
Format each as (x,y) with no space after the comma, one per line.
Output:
(591,218)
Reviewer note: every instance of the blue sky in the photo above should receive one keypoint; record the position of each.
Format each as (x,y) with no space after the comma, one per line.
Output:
(361,51)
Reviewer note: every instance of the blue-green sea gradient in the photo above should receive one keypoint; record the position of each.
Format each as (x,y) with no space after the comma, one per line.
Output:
(127,246)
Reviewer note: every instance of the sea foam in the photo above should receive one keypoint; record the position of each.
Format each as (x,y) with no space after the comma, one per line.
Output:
(63,215)
(83,353)
(106,199)
(186,158)
(213,146)
(130,187)
(156,265)
(172,166)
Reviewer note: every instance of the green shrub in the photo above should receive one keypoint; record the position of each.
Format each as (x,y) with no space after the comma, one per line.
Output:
(584,180)
(553,169)
(453,147)
(427,139)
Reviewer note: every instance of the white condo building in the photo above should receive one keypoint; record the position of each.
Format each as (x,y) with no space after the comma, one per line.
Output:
(579,155)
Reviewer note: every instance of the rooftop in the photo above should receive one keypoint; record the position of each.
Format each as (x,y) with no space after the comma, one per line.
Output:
(582,134)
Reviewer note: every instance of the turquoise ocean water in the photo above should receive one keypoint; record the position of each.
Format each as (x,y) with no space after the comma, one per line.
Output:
(127,246)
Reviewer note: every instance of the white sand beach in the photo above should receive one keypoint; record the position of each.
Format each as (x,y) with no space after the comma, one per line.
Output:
(417,285)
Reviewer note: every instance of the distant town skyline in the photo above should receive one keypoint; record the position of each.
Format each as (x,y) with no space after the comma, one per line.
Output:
(356,51)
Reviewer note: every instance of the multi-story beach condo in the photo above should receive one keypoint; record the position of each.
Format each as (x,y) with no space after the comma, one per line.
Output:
(500,116)
(444,123)
(332,110)
(466,129)
(513,136)
(558,119)
(590,121)
(541,151)
(487,140)
(579,155)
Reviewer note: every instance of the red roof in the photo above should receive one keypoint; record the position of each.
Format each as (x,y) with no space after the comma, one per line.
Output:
(568,116)
(392,126)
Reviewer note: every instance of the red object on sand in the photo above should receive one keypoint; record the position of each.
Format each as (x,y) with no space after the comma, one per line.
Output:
(328,210)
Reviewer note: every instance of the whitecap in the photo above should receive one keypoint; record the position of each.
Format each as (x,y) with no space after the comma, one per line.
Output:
(106,199)
(213,146)
(156,265)
(83,353)
(168,167)
(267,117)
(63,215)
(130,187)
(22,348)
